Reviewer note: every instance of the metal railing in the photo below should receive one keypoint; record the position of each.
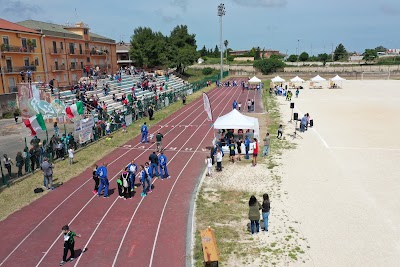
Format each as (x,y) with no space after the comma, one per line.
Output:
(56,51)
(18,69)
(17,49)
(58,67)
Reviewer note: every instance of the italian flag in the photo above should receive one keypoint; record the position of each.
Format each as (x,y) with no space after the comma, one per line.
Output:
(35,123)
(74,110)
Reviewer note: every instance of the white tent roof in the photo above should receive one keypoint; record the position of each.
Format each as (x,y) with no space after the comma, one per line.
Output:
(337,78)
(296,79)
(318,79)
(236,120)
(254,80)
(277,79)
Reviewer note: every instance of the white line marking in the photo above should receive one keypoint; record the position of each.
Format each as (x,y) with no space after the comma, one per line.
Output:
(110,180)
(170,192)
(130,222)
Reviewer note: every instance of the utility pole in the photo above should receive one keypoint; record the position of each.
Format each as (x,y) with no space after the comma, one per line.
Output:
(221,12)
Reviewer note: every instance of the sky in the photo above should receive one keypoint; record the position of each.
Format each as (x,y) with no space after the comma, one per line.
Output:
(286,25)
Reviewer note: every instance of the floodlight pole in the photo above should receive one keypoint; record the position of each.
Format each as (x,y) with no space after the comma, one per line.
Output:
(221,12)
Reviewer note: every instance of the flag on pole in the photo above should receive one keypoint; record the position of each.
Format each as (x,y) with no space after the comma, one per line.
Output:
(74,110)
(207,106)
(35,123)
(130,99)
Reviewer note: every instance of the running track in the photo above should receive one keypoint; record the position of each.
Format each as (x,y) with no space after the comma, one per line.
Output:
(150,231)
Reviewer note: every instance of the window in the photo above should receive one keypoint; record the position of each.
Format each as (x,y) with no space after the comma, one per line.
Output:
(88,59)
(61,45)
(34,42)
(5,40)
(71,48)
(36,61)
(85,31)
(86,45)
(38,78)
(58,78)
(63,61)
(24,42)
(94,61)
(26,61)
(65,78)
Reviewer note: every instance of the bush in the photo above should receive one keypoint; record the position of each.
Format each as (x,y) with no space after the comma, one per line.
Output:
(267,66)
(207,71)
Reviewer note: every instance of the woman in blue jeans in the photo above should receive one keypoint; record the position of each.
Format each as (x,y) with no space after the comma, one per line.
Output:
(254,215)
(265,211)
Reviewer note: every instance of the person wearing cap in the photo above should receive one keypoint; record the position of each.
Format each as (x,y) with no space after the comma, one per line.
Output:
(47,169)
(159,138)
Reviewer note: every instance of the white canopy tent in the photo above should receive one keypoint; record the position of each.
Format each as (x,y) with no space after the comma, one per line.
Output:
(337,78)
(236,120)
(297,79)
(254,80)
(318,79)
(277,79)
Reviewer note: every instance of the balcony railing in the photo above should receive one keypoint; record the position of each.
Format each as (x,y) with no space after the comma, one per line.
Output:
(56,51)
(17,49)
(75,67)
(97,53)
(58,67)
(14,69)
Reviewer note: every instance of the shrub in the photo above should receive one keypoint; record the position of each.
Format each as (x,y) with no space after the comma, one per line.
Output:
(207,71)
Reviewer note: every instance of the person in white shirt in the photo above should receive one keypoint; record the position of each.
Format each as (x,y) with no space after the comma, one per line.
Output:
(208,162)
(219,160)
(71,155)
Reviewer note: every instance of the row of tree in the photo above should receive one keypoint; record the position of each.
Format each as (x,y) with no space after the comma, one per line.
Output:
(151,49)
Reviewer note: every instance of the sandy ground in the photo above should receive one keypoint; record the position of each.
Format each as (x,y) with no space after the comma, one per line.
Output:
(343,178)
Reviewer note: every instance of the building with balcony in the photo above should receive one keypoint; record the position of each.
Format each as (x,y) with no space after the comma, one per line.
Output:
(20,50)
(123,57)
(69,50)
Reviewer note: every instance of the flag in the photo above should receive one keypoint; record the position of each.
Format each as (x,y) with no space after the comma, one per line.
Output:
(130,99)
(74,110)
(207,106)
(35,123)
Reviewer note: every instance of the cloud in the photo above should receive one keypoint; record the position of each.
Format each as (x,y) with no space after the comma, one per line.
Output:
(24,10)
(389,9)
(261,3)
(182,4)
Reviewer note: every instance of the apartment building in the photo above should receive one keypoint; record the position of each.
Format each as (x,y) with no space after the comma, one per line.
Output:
(123,57)
(69,50)
(21,50)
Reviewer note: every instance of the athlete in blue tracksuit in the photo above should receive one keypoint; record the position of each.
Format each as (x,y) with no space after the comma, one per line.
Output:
(162,160)
(145,180)
(247,145)
(144,130)
(234,104)
(102,174)
(132,168)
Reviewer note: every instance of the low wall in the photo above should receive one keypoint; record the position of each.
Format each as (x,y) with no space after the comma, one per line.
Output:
(8,103)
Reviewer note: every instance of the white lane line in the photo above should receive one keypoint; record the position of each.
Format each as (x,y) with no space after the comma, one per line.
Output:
(170,192)
(80,211)
(104,216)
(42,221)
(130,222)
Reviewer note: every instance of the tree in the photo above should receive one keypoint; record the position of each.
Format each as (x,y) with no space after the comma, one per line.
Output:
(304,57)
(226,49)
(380,49)
(148,48)
(370,55)
(184,48)
(340,53)
(292,58)
(323,58)
(216,51)
(267,66)
(257,53)
(203,52)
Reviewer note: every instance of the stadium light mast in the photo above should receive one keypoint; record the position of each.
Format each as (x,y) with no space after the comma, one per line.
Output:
(221,12)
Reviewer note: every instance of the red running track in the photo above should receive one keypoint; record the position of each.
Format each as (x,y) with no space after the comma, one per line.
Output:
(150,231)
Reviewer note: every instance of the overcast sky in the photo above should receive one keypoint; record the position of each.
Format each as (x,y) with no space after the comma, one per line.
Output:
(275,24)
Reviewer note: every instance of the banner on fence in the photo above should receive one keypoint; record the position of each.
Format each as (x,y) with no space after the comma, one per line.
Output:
(84,129)
(128,119)
(189,92)
(166,102)
(207,106)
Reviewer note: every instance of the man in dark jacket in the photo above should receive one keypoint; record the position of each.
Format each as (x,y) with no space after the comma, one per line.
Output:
(154,164)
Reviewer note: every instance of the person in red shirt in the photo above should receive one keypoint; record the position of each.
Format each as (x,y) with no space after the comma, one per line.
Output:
(255,151)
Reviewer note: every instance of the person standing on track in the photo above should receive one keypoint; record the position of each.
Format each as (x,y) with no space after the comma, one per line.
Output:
(69,244)
(154,164)
(102,174)
(240,106)
(125,183)
(219,159)
(96,179)
(248,105)
(144,130)
(145,180)
(132,168)
(247,146)
(234,104)
(162,160)
(159,138)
